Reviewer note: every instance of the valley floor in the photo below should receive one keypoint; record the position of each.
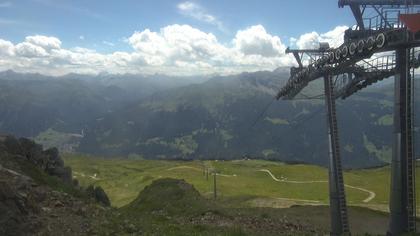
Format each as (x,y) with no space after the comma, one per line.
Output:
(247,184)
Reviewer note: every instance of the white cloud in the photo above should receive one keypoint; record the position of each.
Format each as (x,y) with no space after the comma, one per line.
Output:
(45,42)
(81,37)
(6,48)
(197,12)
(182,45)
(311,40)
(174,50)
(176,43)
(256,41)
(29,50)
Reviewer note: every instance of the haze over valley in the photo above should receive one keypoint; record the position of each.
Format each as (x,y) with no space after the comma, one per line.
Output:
(209,118)
(164,117)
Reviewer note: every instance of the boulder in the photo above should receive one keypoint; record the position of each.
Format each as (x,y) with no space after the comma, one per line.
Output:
(98,194)
(101,196)
(53,159)
(55,165)
(63,173)
(33,152)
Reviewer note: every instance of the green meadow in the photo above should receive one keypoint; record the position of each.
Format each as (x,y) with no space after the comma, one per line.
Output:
(239,183)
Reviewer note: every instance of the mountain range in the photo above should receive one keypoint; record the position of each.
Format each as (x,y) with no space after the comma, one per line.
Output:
(212,117)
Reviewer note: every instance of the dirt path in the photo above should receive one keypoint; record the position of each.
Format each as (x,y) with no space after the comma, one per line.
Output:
(94,177)
(371,196)
(299,200)
(198,169)
(185,167)
(291,181)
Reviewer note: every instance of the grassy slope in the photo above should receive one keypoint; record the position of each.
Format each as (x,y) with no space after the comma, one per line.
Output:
(123,179)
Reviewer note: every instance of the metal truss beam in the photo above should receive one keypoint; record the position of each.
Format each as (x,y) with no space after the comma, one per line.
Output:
(342,3)
(313,54)
(361,81)
(358,15)
(344,58)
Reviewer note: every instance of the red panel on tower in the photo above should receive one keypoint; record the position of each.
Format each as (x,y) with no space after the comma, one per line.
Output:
(412,21)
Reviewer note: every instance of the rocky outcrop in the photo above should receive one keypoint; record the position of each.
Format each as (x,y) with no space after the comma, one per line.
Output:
(38,195)
(17,202)
(28,208)
(48,160)
(55,165)
(32,151)
(98,194)
(101,196)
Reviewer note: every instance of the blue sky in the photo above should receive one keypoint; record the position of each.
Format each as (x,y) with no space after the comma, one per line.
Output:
(105,26)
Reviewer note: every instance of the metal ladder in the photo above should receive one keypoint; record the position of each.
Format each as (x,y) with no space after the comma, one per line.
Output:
(411,163)
(337,172)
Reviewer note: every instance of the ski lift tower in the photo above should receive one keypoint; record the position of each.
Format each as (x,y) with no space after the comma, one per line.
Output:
(299,78)
(399,23)
(381,45)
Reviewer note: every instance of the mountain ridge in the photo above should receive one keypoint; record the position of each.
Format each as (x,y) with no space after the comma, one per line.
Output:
(206,119)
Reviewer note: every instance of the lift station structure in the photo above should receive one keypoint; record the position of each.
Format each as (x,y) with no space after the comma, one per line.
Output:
(382,44)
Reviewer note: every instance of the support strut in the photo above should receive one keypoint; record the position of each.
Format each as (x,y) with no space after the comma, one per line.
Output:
(402,200)
(338,208)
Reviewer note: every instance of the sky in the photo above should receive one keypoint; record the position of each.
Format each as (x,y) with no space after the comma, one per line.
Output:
(163,36)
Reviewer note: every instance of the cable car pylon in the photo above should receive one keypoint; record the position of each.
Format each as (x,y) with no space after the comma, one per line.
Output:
(387,31)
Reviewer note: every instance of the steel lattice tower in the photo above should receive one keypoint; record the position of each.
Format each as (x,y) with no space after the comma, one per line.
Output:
(387,32)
